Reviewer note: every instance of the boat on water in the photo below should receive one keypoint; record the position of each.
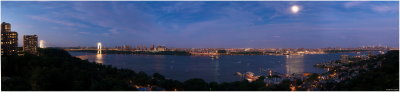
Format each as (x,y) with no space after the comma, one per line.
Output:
(214,57)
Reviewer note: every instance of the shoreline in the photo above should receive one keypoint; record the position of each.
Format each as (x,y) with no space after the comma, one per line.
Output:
(184,53)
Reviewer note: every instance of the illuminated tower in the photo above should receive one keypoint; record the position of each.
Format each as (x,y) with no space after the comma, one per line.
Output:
(30,44)
(99,48)
(9,40)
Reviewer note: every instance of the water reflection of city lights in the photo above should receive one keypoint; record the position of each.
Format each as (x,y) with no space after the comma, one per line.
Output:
(294,64)
(99,58)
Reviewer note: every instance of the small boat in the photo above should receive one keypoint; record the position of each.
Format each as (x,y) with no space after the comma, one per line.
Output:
(214,57)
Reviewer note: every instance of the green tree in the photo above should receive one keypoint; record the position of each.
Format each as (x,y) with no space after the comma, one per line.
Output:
(195,84)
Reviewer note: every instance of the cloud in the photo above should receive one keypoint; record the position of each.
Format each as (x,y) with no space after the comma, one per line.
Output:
(113,31)
(381,7)
(110,32)
(106,34)
(234,18)
(71,25)
(53,21)
(276,36)
(84,32)
(115,16)
(352,4)
(187,7)
(384,8)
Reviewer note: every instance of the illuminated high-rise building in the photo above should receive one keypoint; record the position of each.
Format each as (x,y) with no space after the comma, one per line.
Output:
(9,40)
(5,27)
(30,44)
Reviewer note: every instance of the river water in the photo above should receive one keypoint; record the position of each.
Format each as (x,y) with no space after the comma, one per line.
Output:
(222,69)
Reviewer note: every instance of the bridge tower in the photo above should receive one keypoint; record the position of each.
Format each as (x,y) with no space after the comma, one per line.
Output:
(99,48)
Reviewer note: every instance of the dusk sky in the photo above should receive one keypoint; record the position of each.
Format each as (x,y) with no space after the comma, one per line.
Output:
(198,24)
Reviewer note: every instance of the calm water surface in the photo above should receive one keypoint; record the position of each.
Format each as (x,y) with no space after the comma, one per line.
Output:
(220,70)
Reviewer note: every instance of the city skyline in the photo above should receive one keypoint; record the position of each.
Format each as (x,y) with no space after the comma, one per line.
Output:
(207,24)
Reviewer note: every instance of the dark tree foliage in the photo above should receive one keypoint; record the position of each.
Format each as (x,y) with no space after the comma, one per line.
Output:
(195,85)
(55,69)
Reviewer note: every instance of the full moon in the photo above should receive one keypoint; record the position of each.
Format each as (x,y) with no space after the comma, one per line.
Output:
(295,9)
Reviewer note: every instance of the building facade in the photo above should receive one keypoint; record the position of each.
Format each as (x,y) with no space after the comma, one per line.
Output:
(161,48)
(30,44)
(9,40)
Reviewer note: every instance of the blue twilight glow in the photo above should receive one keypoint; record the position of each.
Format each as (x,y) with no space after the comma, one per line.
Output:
(267,24)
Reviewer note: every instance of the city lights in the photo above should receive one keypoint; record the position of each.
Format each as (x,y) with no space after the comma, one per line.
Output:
(42,44)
